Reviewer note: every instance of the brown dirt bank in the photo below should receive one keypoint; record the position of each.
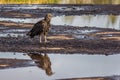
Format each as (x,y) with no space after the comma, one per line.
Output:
(14,63)
(62,39)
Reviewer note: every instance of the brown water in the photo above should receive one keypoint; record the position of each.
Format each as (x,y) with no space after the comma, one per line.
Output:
(62,66)
(59,1)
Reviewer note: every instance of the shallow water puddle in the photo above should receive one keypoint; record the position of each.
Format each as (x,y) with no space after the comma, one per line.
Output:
(12,35)
(101,21)
(57,66)
(13,32)
(21,20)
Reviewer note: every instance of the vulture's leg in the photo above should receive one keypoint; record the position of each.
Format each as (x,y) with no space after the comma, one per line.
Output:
(40,39)
(45,38)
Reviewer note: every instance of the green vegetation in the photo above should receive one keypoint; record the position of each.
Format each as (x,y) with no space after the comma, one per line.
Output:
(59,1)
(29,1)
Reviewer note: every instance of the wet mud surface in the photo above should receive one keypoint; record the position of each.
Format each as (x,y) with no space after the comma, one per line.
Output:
(62,39)
(57,10)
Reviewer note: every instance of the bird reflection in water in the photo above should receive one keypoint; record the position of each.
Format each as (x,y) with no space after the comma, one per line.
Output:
(42,61)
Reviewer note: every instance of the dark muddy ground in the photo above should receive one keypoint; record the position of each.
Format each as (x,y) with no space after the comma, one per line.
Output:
(62,39)
(56,10)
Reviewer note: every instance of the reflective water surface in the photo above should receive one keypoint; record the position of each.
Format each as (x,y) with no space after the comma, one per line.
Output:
(57,66)
(21,20)
(101,21)
(12,32)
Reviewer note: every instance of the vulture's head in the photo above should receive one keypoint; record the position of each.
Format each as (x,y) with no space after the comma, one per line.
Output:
(48,17)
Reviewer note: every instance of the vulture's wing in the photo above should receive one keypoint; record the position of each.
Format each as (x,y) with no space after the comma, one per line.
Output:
(37,29)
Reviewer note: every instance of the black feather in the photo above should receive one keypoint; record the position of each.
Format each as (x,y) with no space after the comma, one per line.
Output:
(36,30)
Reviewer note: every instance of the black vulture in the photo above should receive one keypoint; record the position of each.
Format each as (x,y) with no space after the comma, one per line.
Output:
(41,28)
